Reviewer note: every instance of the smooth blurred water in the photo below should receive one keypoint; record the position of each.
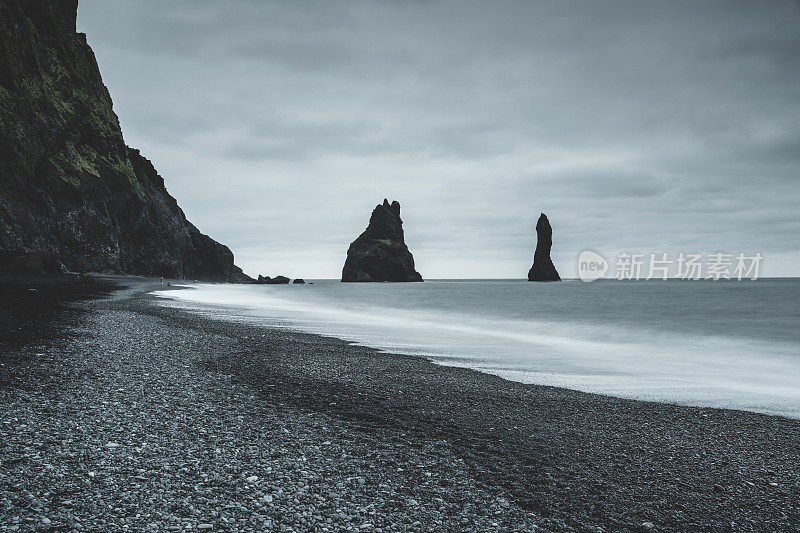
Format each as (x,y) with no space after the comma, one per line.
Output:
(722,344)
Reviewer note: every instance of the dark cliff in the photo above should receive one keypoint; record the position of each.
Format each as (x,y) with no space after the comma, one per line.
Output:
(380,253)
(69,186)
(543,268)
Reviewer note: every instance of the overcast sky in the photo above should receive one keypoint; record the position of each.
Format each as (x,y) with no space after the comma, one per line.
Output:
(636,126)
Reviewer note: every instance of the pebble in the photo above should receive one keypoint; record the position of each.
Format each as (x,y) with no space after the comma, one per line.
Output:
(134,378)
(191,428)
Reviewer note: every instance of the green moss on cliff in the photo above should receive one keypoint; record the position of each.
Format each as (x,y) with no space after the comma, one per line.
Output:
(73,164)
(60,169)
(68,183)
(125,167)
(85,161)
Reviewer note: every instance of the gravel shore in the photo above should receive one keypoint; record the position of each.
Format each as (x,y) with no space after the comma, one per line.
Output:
(149,418)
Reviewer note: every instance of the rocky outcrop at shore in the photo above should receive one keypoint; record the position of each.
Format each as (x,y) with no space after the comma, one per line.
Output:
(543,268)
(69,186)
(277,280)
(380,252)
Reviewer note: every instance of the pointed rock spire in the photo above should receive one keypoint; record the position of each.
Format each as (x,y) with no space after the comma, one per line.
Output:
(543,268)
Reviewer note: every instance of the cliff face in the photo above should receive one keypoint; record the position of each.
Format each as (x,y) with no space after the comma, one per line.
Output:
(380,253)
(69,186)
(543,268)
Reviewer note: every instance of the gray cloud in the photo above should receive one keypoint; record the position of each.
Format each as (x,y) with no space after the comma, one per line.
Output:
(666,126)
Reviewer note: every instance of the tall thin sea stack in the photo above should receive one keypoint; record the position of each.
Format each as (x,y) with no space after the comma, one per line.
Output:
(543,268)
(380,253)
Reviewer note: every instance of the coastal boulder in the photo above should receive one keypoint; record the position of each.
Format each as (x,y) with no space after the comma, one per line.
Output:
(277,280)
(543,268)
(380,253)
(299,281)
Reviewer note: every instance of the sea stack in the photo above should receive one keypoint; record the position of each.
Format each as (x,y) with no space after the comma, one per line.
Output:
(380,253)
(543,268)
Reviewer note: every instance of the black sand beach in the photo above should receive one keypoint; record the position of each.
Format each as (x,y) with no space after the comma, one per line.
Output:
(131,415)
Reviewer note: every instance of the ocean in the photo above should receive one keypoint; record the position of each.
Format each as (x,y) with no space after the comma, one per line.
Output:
(707,343)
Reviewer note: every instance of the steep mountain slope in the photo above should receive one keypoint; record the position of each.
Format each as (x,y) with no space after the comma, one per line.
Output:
(69,186)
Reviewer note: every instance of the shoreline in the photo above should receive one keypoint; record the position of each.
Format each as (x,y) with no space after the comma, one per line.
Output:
(757,402)
(531,454)
(606,419)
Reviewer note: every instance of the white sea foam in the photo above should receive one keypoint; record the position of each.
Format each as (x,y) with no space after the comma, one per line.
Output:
(531,334)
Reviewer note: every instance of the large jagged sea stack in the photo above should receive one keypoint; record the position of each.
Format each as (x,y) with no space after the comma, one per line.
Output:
(380,253)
